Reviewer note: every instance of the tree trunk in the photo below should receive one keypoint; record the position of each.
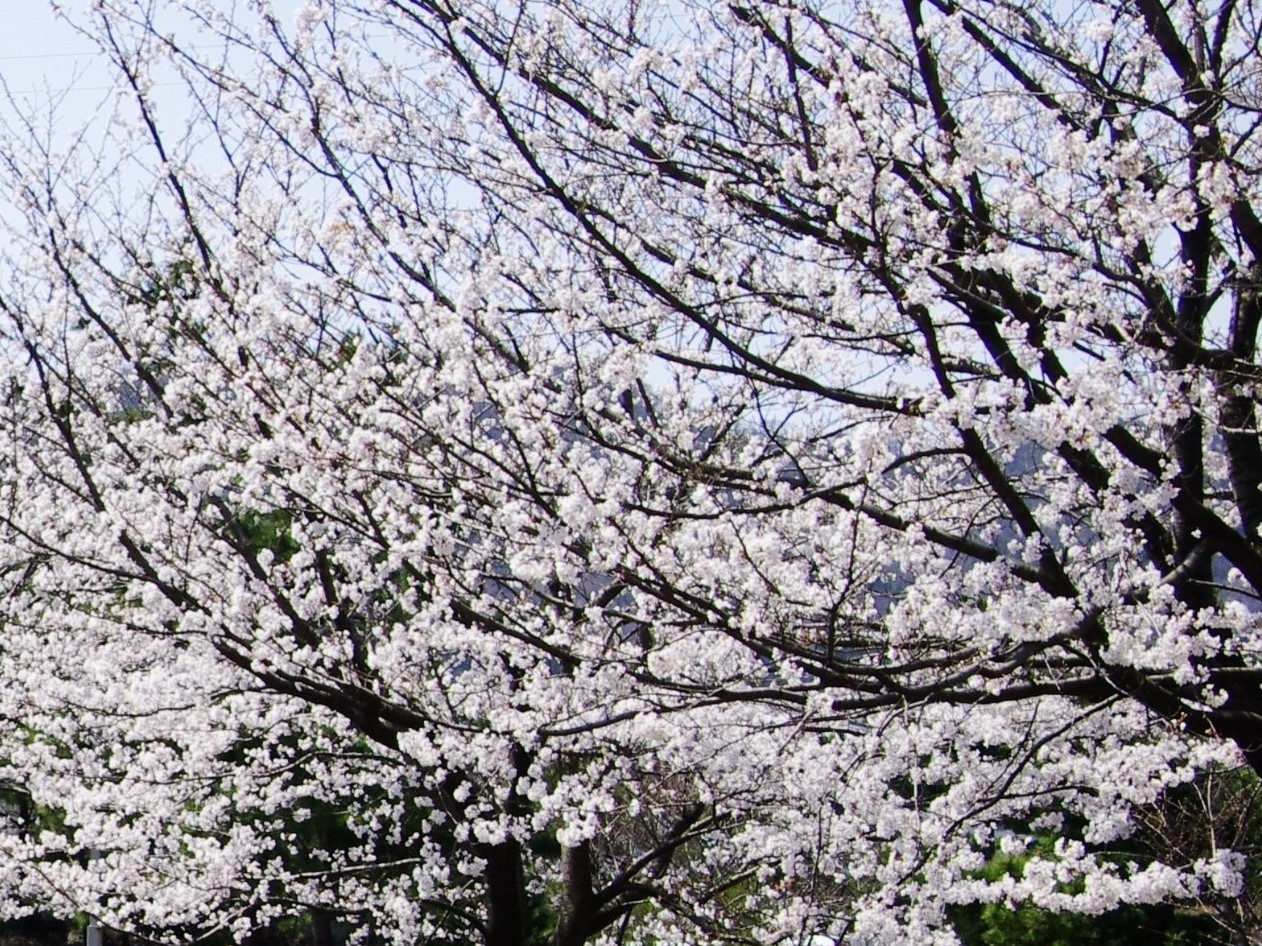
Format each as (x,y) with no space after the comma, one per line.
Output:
(575,908)
(507,917)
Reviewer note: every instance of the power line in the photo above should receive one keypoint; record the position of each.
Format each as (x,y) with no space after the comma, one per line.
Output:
(47,56)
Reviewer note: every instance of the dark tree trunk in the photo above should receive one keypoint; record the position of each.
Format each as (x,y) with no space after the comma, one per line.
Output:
(575,921)
(507,914)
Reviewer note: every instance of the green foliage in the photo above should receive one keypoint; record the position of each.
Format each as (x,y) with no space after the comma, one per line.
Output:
(269,530)
(541,920)
(996,924)
(176,282)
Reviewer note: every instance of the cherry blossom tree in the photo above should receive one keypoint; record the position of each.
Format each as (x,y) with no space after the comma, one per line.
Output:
(673,472)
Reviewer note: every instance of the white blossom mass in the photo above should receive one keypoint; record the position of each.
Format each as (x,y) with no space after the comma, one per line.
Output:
(674,472)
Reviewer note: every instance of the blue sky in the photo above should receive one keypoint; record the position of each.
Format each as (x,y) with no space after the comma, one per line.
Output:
(39,52)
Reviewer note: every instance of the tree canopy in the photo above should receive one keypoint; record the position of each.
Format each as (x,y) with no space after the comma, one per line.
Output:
(673,472)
